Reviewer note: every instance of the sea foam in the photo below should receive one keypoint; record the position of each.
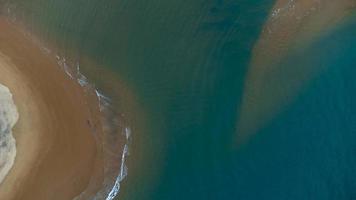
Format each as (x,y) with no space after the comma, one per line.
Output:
(8,118)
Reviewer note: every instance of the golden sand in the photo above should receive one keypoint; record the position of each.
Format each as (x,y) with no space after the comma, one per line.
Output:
(56,152)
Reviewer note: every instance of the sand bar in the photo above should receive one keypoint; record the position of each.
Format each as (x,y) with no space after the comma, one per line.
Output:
(270,86)
(56,152)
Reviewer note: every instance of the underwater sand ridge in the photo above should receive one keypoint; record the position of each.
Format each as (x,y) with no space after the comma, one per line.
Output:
(271,85)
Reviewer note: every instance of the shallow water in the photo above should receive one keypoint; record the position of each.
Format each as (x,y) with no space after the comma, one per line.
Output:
(186,64)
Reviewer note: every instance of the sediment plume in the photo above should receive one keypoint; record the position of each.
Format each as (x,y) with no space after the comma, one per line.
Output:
(271,83)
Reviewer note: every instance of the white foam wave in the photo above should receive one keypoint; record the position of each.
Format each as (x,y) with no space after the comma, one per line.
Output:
(8,118)
(111,185)
(114,122)
(123,173)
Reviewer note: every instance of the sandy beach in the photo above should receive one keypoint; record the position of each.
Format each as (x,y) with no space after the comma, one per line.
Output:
(56,151)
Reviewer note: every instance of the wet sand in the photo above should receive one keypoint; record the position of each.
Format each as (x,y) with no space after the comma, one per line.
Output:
(270,85)
(56,152)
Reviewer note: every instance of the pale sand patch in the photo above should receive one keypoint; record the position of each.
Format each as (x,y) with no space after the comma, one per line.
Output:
(292,25)
(55,149)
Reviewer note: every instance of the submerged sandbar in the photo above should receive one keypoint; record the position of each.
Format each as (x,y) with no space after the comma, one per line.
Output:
(271,83)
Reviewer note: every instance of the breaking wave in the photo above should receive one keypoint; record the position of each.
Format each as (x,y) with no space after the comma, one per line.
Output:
(113,142)
(8,118)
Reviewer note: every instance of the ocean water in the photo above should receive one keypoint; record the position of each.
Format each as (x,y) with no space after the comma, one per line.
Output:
(186,63)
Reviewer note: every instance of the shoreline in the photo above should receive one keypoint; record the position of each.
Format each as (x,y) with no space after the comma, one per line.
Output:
(56,151)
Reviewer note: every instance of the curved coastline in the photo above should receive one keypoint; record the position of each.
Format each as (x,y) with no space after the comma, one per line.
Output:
(57,153)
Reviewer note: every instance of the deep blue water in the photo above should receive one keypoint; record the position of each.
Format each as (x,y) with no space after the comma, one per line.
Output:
(186,61)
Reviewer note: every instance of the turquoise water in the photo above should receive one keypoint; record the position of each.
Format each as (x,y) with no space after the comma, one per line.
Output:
(186,63)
